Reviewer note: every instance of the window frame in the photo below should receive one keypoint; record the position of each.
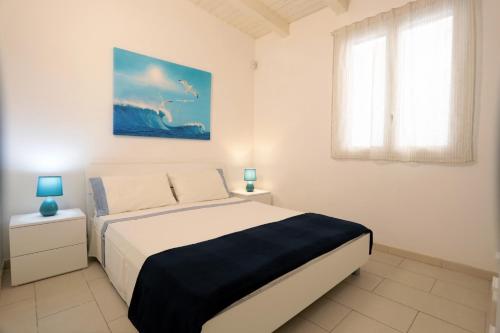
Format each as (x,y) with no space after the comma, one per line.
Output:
(460,122)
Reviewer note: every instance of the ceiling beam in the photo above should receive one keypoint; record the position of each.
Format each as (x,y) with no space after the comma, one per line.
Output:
(261,11)
(338,6)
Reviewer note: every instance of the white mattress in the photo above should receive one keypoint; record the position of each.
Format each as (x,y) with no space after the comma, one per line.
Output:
(129,243)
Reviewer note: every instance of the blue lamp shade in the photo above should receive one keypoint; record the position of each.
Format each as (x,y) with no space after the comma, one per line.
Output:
(49,186)
(250,175)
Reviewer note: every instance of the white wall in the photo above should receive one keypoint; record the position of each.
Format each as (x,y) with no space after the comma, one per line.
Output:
(56,76)
(56,103)
(438,210)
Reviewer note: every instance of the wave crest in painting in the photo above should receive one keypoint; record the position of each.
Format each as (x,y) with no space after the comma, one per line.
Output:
(131,120)
(157,98)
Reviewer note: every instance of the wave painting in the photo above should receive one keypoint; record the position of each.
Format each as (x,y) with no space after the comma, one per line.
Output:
(157,98)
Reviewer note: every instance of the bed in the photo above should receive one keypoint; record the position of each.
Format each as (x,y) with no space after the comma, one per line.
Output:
(122,242)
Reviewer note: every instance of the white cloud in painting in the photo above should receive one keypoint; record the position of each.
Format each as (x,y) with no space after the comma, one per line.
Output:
(153,76)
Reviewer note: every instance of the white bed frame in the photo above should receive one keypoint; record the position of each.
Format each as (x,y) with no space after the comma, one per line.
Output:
(267,310)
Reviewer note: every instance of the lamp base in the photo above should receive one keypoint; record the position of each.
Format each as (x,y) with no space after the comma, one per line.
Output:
(250,187)
(48,207)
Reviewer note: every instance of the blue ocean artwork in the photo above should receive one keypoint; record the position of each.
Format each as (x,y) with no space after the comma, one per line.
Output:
(157,98)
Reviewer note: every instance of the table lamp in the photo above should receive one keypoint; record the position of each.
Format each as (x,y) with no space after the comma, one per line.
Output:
(49,186)
(250,175)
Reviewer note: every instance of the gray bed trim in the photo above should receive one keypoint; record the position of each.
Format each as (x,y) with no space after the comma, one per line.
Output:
(221,173)
(99,194)
(123,219)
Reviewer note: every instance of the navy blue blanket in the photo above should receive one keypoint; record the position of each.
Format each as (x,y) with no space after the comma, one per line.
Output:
(180,289)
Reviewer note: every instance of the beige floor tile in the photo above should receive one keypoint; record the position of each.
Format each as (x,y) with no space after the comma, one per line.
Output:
(60,293)
(110,303)
(325,313)
(18,317)
(94,271)
(9,295)
(456,293)
(299,325)
(461,279)
(376,307)
(357,323)
(83,301)
(427,324)
(386,258)
(122,325)
(84,318)
(400,275)
(465,317)
(364,280)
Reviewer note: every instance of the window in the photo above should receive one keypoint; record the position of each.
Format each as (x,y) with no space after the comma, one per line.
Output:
(367,93)
(404,84)
(424,84)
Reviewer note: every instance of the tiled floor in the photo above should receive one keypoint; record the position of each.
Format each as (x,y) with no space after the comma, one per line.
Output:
(392,294)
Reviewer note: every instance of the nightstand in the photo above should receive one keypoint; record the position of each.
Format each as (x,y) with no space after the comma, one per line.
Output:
(46,246)
(257,195)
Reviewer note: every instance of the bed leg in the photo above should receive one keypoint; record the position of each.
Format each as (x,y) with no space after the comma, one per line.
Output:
(356,272)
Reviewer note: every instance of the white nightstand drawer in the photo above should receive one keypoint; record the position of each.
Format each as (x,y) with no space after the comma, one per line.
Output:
(264,198)
(42,237)
(40,265)
(257,195)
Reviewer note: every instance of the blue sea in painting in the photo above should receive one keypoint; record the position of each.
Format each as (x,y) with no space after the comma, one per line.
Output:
(157,98)
(131,120)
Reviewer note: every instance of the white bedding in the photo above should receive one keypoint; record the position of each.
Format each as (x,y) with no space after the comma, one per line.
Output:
(129,243)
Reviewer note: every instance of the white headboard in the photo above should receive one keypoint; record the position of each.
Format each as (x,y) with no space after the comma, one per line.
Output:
(98,170)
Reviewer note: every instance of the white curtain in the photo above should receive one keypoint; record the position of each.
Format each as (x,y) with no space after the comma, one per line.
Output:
(403,84)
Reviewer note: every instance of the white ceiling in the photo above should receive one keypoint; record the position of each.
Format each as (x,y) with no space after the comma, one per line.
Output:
(260,17)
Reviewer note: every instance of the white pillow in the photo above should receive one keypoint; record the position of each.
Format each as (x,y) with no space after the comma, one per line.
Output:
(130,193)
(198,185)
